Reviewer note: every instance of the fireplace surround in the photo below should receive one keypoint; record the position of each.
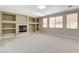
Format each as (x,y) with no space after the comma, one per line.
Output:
(22,28)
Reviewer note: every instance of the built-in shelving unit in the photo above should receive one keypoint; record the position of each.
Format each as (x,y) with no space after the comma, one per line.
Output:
(8,24)
(33,24)
(37,27)
(32,27)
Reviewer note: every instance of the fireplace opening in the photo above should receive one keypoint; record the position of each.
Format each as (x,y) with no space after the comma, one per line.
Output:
(22,28)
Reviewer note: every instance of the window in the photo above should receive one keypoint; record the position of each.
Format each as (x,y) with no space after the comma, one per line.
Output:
(59,22)
(52,22)
(56,22)
(45,22)
(72,21)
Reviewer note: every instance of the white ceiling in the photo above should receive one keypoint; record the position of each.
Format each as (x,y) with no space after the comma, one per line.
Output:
(32,10)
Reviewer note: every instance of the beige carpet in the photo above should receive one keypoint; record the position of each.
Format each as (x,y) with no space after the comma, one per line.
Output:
(38,43)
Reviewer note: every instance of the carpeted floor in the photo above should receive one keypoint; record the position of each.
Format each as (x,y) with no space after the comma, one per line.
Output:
(38,43)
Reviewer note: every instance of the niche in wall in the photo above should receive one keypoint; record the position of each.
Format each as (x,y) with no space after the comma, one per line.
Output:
(22,28)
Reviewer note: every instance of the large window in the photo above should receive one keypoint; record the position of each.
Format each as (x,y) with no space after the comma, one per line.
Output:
(59,22)
(45,22)
(52,22)
(72,21)
(56,22)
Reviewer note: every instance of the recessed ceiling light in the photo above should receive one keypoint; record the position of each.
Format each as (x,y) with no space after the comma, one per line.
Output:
(41,6)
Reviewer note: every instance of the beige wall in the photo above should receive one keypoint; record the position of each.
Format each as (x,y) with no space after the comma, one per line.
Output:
(0,25)
(64,31)
(20,20)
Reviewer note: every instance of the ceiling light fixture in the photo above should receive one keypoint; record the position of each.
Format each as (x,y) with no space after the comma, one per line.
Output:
(41,7)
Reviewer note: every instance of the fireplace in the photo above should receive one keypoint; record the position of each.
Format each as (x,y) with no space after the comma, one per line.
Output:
(22,28)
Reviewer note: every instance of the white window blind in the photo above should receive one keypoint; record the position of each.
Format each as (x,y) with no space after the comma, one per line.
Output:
(45,22)
(59,22)
(52,22)
(72,21)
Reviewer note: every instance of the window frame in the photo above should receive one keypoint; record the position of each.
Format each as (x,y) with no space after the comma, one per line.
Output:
(61,22)
(55,23)
(70,26)
(45,23)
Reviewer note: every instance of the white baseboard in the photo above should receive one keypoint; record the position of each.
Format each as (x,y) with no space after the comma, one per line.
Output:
(65,36)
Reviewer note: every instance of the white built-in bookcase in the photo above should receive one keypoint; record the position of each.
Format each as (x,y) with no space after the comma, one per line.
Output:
(8,24)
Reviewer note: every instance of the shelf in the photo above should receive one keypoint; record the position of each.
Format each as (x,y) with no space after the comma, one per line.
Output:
(3,21)
(8,25)
(33,23)
(32,27)
(8,28)
(8,17)
(8,31)
(31,19)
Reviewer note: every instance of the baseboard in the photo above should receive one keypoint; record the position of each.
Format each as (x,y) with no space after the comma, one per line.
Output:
(66,36)
(63,36)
